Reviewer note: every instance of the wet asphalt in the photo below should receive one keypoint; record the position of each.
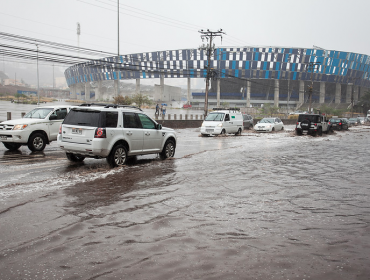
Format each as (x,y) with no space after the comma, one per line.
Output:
(256,206)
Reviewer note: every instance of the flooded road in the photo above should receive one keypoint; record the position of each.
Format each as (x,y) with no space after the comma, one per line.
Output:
(256,206)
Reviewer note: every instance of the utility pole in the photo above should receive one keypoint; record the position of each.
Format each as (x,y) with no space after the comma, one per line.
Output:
(38,85)
(78,38)
(311,66)
(118,59)
(352,94)
(209,35)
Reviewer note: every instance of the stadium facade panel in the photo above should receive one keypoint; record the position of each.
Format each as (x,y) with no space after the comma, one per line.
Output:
(237,64)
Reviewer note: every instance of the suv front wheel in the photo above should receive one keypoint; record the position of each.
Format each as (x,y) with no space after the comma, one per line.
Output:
(117,156)
(168,150)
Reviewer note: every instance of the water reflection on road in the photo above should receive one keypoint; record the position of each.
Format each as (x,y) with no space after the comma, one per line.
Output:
(259,206)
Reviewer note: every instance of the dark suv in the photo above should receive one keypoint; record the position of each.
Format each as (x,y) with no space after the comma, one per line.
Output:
(338,124)
(247,121)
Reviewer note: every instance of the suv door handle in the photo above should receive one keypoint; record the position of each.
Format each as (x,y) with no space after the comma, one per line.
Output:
(147,133)
(129,133)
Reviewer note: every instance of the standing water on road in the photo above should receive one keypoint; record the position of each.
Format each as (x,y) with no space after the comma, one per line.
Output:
(257,206)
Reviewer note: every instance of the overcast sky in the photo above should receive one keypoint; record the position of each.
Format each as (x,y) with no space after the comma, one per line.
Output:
(153,25)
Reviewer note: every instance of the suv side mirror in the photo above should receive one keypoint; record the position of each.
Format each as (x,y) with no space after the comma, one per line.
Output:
(159,126)
(53,117)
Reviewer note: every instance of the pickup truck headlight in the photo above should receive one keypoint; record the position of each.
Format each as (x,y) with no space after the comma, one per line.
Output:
(20,126)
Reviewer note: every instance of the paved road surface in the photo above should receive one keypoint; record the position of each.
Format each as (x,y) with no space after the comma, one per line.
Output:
(257,206)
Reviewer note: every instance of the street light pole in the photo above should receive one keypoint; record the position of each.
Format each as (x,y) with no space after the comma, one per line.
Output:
(352,79)
(118,59)
(38,85)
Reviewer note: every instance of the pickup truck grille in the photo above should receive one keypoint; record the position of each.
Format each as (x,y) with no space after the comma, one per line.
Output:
(6,127)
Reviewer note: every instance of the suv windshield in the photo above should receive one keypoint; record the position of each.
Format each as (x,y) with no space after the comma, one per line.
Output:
(91,118)
(38,113)
(215,117)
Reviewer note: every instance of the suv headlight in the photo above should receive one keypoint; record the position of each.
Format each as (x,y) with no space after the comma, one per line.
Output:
(219,125)
(20,126)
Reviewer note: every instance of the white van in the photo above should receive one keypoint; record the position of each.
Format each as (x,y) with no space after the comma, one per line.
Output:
(222,121)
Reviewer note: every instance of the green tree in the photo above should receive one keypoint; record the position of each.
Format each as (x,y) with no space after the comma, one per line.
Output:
(364,103)
(225,104)
(122,100)
(141,99)
(19,95)
(325,109)
(269,109)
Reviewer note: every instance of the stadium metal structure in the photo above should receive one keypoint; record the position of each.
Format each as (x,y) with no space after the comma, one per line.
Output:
(242,76)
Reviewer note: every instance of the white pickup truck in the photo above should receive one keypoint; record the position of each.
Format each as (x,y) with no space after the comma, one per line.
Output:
(36,129)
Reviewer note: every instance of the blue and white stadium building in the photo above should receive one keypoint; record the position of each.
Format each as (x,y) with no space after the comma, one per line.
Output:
(242,76)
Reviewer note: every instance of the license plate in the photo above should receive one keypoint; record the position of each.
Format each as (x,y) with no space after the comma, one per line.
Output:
(77,131)
(209,130)
(334,125)
(3,137)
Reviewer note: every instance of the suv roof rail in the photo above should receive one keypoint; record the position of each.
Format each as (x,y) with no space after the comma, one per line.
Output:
(109,105)
(227,109)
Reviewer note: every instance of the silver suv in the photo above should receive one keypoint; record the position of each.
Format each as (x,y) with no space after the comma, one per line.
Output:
(113,132)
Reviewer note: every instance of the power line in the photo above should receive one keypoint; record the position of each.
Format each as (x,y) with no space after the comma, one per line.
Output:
(163,23)
(156,15)
(93,35)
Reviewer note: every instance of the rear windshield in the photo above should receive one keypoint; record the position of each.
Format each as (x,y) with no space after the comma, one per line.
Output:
(91,118)
(335,120)
(311,118)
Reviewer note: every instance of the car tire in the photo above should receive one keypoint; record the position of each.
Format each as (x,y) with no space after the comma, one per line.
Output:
(273,129)
(299,132)
(36,142)
(168,150)
(75,158)
(12,146)
(223,132)
(239,132)
(282,128)
(117,156)
(251,126)
(319,132)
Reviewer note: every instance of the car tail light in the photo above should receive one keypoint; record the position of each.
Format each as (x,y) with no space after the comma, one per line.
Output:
(60,129)
(340,123)
(329,122)
(100,133)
